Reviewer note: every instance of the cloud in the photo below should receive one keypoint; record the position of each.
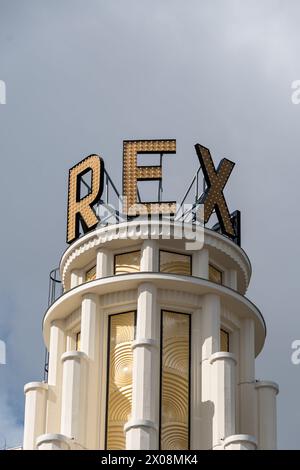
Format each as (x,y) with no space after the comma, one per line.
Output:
(11,431)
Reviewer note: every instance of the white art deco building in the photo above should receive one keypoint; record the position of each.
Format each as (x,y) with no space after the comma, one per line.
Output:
(152,346)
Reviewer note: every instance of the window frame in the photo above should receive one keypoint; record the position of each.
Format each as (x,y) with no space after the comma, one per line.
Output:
(125,253)
(175,253)
(78,340)
(189,374)
(228,338)
(89,268)
(134,311)
(220,270)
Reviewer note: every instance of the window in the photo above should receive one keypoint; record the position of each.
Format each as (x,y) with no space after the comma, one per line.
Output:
(128,262)
(90,275)
(119,389)
(175,263)
(224,341)
(78,340)
(215,275)
(175,381)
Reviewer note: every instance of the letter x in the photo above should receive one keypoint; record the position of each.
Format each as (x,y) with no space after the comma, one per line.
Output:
(213,197)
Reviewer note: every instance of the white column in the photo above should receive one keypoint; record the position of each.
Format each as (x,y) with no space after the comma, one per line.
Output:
(90,345)
(149,256)
(210,331)
(70,342)
(267,420)
(56,348)
(210,343)
(240,442)
(223,391)
(200,263)
(73,412)
(77,278)
(142,429)
(53,442)
(248,416)
(35,413)
(231,278)
(104,265)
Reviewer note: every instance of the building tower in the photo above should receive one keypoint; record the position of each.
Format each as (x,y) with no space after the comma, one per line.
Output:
(152,346)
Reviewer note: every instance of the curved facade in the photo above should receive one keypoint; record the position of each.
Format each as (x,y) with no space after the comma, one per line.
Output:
(152,346)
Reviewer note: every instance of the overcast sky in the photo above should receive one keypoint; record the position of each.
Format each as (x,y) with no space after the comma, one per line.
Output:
(81,77)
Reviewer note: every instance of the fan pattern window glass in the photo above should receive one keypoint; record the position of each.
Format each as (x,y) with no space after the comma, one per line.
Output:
(175,263)
(215,275)
(90,275)
(128,262)
(119,397)
(78,340)
(224,341)
(175,386)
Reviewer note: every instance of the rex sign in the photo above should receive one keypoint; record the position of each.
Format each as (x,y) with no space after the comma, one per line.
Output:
(81,208)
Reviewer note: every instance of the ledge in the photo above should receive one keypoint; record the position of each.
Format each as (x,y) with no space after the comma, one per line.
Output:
(35,386)
(46,438)
(222,355)
(247,438)
(71,300)
(73,355)
(267,384)
(140,423)
(144,342)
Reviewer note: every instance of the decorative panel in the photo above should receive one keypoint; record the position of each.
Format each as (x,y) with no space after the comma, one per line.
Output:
(119,397)
(175,368)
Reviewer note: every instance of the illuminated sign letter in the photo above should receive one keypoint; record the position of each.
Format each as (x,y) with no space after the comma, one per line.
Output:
(132,173)
(213,197)
(80,209)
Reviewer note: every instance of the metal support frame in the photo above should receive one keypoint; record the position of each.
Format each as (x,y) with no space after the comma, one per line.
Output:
(235,218)
(55,291)
(180,216)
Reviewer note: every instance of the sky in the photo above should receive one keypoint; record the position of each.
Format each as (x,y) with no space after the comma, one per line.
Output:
(81,77)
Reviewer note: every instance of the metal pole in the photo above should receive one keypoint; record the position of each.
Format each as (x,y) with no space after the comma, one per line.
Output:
(112,184)
(106,189)
(197,182)
(186,194)
(160,181)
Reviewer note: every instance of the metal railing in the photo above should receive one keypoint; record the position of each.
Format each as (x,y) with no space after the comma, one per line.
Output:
(55,286)
(55,291)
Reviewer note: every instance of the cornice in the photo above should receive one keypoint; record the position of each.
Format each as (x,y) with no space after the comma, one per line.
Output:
(140,230)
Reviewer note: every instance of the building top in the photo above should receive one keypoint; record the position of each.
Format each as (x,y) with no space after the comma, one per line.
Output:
(187,238)
(103,222)
(91,191)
